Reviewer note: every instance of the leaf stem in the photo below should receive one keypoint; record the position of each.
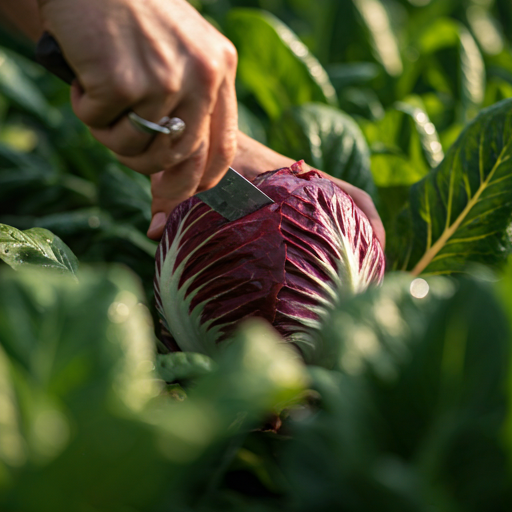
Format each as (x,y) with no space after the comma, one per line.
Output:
(450,230)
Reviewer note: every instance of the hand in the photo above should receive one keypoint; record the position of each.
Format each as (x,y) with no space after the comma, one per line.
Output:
(157,58)
(253,158)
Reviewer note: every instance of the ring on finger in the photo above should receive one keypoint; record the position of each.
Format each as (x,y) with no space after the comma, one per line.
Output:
(168,126)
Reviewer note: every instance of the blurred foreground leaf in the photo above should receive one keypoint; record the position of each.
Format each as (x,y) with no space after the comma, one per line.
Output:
(83,425)
(414,417)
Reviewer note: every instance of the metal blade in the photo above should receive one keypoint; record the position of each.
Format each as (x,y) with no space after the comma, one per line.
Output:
(234,196)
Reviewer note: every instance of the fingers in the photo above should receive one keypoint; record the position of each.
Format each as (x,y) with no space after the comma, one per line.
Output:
(165,152)
(161,207)
(223,137)
(108,121)
(171,187)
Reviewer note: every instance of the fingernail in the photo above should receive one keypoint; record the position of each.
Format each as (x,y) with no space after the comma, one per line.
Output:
(157,223)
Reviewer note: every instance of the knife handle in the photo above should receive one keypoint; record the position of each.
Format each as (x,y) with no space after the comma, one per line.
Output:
(49,55)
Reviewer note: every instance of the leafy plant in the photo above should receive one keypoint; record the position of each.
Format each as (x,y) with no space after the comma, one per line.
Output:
(414,413)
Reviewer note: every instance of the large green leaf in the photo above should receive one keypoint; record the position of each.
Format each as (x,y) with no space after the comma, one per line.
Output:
(460,212)
(449,62)
(327,139)
(274,64)
(380,32)
(36,247)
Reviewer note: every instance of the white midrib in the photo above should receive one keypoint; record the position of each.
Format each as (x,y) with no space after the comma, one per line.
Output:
(450,230)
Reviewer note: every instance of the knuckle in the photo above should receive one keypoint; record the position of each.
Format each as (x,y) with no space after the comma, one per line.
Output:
(166,84)
(230,55)
(209,70)
(123,92)
(226,152)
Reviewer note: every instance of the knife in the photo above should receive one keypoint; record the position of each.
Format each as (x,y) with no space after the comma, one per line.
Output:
(233,197)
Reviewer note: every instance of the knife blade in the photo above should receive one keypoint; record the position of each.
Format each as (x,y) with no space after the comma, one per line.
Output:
(233,197)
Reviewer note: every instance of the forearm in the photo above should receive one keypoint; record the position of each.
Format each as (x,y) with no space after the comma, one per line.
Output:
(23,15)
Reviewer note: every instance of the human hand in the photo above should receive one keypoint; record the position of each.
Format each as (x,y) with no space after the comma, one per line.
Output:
(157,59)
(253,158)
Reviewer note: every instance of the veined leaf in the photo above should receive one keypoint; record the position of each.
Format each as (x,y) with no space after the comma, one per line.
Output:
(36,247)
(274,64)
(327,139)
(460,212)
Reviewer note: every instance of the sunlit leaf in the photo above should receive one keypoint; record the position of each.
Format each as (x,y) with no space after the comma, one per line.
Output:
(274,64)
(384,41)
(485,28)
(464,77)
(459,213)
(427,133)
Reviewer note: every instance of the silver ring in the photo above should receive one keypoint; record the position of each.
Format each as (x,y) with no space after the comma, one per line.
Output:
(168,126)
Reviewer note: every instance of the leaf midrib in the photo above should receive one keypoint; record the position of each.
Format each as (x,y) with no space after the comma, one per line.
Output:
(450,230)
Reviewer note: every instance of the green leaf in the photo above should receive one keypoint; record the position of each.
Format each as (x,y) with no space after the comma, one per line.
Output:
(126,195)
(352,74)
(425,364)
(16,86)
(274,64)
(249,124)
(183,366)
(36,247)
(380,32)
(327,139)
(486,28)
(450,62)
(459,213)
(405,145)
(79,371)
